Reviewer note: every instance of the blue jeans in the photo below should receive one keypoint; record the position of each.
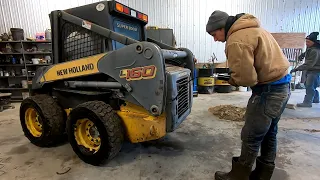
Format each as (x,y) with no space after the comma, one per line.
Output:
(311,84)
(264,110)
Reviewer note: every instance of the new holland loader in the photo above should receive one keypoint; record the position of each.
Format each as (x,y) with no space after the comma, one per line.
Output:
(108,83)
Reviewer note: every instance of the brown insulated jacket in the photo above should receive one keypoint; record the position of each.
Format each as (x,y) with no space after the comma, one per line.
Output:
(253,55)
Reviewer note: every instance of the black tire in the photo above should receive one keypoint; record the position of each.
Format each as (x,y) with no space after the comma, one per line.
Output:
(109,126)
(52,119)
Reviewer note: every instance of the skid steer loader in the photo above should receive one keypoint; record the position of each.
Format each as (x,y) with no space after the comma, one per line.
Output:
(108,83)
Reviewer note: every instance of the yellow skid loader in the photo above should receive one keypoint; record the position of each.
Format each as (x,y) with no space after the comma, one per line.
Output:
(108,83)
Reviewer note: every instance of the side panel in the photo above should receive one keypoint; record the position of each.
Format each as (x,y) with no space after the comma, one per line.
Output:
(76,68)
(141,67)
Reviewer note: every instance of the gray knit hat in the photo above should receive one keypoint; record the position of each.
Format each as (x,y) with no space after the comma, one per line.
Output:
(216,21)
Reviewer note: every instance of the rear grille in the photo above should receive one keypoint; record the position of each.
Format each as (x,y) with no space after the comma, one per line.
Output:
(183,96)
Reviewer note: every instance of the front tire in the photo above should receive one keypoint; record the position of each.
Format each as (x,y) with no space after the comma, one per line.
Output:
(95,132)
(42,120)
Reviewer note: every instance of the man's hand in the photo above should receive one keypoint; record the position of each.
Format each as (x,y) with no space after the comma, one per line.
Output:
(293,70)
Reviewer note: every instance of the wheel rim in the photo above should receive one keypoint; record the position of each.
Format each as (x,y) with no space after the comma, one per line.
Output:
(87,135)
(33,122)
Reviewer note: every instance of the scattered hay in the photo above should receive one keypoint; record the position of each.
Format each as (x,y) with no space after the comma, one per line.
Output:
(228,112)
(291,106)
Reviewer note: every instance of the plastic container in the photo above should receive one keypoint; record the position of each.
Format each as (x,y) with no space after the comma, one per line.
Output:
(48,34)
(205,81)
(24,72)
(24,83)
(25,95)
(195,81)
(14,60)
(35,60)
(17,34)
(222,86)
(243,89)
(40,36)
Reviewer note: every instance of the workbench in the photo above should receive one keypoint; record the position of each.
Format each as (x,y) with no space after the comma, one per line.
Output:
(5,101)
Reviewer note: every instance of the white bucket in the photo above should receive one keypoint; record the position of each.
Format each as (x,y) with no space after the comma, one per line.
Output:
(24,83)
(243,89)
(25,95)
(35,60)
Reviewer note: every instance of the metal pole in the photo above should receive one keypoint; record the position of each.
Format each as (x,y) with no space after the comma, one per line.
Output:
(93,84)
(172,54)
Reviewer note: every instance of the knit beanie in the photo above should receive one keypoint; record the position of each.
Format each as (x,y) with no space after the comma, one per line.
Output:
(216,21)
(313,37)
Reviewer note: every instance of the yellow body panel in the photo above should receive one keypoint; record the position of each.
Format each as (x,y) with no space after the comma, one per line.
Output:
(206,81)
(222,83)
(80,67)
(140,125)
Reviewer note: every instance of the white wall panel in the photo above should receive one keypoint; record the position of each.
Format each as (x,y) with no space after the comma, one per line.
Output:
(187,17)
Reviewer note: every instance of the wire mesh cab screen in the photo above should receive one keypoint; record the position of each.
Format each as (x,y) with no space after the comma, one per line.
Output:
(131,30)
(79,42)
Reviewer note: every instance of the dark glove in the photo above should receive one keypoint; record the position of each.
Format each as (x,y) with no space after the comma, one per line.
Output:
(293,70)
(302,56)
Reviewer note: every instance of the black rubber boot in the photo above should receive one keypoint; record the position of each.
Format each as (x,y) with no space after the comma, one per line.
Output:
(262,171)
(316,100)
(238,172)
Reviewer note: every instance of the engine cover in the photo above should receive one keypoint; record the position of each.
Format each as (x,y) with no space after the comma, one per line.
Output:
(179,96)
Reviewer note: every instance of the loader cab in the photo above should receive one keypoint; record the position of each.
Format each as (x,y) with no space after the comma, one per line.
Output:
(127,21)
(74,42)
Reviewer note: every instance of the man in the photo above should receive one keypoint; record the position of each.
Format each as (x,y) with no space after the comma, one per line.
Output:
(256,60)
(312,68)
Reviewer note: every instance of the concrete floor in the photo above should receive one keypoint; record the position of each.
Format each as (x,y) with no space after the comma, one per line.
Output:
(202,145)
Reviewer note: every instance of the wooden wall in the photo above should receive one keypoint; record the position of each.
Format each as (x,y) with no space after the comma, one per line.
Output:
(290,40)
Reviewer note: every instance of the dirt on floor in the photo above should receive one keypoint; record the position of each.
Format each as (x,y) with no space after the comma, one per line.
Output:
(228,112)
(312,130)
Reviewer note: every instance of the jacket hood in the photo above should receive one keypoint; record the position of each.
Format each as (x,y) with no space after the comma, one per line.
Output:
(244,22)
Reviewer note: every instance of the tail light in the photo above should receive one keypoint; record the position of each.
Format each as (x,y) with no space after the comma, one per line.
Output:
(126,10)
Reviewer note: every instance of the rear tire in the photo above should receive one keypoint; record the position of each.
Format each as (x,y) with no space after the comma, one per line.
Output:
(49,126)
(97,149)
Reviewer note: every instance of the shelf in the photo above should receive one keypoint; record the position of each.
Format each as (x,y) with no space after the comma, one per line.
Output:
(2,65)
(13,88)
(16,100)
(16,97)
(15,76)
(38,64)
(11,53)
(27,53)
(36,42)
(24,41)
(12,76)
(10,41)
(37,53)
